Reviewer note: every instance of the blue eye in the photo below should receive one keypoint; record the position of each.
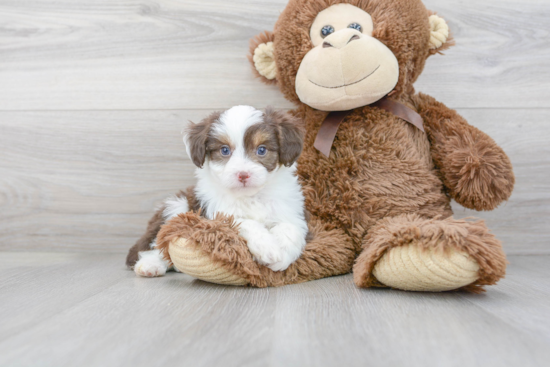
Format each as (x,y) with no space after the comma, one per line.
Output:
(326,30)
(225,151)
(356,26)
(261,150)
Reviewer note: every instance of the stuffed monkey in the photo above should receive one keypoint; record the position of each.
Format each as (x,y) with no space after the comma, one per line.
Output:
(380,163)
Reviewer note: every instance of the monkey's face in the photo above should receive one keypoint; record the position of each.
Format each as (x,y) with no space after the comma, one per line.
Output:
(347,67)
(342,54)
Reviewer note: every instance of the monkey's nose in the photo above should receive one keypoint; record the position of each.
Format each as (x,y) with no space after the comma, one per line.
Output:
(341,38)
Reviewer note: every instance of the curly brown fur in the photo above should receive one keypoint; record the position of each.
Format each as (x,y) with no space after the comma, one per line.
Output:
(218,237)
(328,251)
(475,170)
(379,166)
(470,237)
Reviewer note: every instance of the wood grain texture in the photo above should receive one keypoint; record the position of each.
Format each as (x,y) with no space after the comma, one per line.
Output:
(175,54)
(86,310)
(90,180)
(87,180)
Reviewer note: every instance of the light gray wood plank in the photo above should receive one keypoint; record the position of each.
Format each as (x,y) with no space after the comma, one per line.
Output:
(129,321)
(102,314)
(59,281)
(500,57)
(333,323)
(89,180)
(127,54)
(522,299)
(164,54)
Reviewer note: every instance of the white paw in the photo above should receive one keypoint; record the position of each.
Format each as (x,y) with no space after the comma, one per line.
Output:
(266,253)
(151,264)
(291,241)
(280,265)
(260,242)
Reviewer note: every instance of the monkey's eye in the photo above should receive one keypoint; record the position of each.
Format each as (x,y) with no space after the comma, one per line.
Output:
(225,151)
(326,30)
(356,26)
(262,150)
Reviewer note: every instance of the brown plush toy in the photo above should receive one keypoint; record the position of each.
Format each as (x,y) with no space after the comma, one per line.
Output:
(379,175)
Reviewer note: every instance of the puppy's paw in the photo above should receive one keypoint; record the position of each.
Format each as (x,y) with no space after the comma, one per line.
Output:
(291,241)
(150,264)
(260,242)
(149,270)
(280,265)
(266,253)
(276,248)
(249,228)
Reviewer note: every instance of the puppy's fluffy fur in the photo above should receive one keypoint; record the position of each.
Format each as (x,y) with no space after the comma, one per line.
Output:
(245,168)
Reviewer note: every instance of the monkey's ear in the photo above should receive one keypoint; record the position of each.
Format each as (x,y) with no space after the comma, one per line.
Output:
(261,57)
(440,35)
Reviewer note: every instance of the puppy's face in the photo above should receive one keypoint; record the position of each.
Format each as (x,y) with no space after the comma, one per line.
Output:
(242,146)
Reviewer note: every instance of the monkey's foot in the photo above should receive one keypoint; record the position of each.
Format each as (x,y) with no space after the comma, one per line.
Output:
(213,251)
(416,254)
(210,250)
(188,258)
(412,268)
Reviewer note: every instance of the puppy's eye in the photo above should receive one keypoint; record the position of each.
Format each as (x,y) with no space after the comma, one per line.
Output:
(225,151)
(326,30)
(262,150)
(356,26)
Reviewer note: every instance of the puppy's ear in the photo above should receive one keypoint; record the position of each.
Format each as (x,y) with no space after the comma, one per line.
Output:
(290,135)
(195,137)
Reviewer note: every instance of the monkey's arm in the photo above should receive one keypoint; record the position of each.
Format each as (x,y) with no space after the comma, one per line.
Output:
(474,169)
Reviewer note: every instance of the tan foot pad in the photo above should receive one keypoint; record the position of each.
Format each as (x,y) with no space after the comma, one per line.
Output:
(414,269)
(195,262)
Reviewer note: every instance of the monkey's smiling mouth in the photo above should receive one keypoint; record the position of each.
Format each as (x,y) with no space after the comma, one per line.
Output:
(345,85)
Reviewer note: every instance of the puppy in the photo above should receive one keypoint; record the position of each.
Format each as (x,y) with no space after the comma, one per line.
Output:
(245,168)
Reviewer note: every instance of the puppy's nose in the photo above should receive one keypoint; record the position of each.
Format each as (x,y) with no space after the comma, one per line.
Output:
(243,176)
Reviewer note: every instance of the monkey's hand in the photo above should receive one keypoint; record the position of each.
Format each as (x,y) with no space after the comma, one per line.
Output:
(474,169)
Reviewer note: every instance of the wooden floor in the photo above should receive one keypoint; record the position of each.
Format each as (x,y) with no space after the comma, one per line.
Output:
(62,309)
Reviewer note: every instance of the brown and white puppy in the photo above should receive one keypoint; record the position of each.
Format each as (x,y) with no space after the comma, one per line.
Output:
(245,168)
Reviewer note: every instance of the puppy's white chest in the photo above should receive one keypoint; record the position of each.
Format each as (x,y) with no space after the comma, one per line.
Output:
(256,210)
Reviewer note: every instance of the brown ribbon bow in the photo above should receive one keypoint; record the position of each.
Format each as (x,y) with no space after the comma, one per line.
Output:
(329,127)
